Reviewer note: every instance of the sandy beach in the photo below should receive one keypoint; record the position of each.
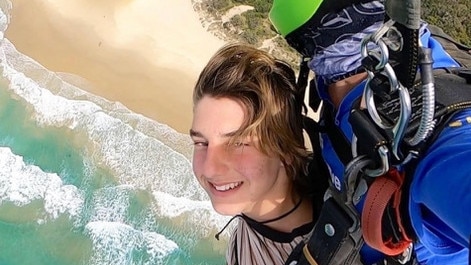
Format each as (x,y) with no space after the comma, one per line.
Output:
(144,54)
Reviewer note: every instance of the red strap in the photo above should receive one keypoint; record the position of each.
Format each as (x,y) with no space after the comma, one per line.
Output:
(380,192)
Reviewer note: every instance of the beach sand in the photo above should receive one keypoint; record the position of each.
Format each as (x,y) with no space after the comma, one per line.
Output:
(145,54)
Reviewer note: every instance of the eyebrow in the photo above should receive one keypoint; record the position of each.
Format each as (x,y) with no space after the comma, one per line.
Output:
(194,133)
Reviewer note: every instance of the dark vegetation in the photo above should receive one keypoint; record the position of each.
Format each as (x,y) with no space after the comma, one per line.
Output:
(253,26)
(453,16)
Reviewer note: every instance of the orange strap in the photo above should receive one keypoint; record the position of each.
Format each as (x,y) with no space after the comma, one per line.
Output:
(380,192)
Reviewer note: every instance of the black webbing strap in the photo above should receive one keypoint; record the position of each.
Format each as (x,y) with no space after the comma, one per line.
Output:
(406,14)
(331,242)
(303,75)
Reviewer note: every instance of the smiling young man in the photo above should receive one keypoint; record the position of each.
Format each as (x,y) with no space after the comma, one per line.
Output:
(249,152)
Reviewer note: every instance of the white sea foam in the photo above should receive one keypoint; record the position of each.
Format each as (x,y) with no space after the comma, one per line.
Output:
(158,246)
(133,148)
(5,6)
(140,153)
(198,217)
(115,243)
(134,157)
(111,204)
(22,184)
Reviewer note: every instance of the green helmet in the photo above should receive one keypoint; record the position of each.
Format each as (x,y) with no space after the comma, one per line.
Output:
(288,15)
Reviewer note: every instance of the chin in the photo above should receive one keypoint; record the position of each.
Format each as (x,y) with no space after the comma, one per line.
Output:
(226,209)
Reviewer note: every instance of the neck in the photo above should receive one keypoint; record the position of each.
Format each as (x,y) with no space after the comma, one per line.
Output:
(285,218)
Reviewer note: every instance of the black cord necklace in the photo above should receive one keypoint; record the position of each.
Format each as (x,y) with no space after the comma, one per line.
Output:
(281,216)
(264,222)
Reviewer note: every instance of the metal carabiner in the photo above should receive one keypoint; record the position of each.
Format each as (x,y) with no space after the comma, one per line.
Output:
(398,129)
(383,54)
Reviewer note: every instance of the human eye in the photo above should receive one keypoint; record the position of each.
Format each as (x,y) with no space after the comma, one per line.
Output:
(200,143)
(240,144)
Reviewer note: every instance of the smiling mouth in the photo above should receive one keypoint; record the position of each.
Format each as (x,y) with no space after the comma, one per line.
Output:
(228,186)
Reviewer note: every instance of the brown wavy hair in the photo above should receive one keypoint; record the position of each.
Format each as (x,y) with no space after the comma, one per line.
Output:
(267,88)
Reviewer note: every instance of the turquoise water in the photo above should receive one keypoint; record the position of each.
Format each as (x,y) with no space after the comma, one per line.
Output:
(86,181)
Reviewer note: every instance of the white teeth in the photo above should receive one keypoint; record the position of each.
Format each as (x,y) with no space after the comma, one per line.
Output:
(229,186)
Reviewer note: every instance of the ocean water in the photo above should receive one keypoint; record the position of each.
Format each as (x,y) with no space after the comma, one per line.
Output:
(86,181)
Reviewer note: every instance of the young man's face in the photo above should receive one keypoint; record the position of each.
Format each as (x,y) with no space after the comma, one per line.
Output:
(238,178)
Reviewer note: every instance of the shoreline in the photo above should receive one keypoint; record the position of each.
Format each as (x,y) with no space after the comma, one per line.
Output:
(128,53)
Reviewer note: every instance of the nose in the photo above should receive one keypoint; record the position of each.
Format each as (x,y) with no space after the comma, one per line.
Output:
(216,161)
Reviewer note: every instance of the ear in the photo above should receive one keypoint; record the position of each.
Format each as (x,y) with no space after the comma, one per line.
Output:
(288,160)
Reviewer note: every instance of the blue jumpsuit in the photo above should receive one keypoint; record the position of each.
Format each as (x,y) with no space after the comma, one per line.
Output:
(440,194)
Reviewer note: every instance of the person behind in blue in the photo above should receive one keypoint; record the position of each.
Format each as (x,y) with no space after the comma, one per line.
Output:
(440,193)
